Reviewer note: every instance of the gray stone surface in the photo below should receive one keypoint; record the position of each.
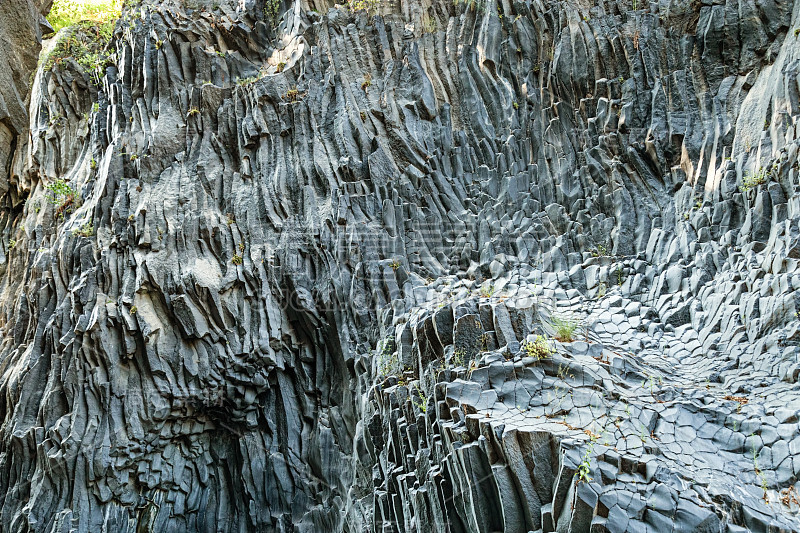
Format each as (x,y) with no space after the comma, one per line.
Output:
(297,282)
(20,42)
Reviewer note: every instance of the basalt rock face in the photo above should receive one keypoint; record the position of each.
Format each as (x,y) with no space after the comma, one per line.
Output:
(288,273)
(20,42)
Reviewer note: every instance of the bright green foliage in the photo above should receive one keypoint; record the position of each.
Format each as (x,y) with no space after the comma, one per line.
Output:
(69,12)
(61,195)
(86,44)
(582,473)
(538,349)
(90,26)
(369,5)
(751,181)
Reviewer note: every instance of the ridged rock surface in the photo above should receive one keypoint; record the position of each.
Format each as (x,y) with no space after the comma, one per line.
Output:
(306,256)
(20,42)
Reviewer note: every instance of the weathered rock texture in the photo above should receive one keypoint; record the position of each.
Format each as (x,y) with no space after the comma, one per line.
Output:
(20,42)
(293,289)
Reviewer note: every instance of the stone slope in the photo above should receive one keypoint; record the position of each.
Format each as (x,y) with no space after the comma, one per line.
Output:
(288,280)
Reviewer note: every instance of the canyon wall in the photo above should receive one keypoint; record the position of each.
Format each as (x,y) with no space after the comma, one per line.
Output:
(290,267)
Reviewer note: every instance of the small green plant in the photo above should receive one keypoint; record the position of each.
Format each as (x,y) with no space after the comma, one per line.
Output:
(395,264)
(751,181)
(86,230)
(538,349)
(370,6)
(487,291)
(602,288)
(236,259)
(601,250)
(363,116)
(422,403)
(649,383)
(134,309)
(12,244)
(367,81)
(292,95)
(388,358)
(582,473)
(272,12)
(240,82)
(482,344)
(93,164)
(516,105)
(193,111)
(796,32)
(134,157)
(459,358)
(95,107)
(61,195)
(564,327)
(762,477)
(280,66)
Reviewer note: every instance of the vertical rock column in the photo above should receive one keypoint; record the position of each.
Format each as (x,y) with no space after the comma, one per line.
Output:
(21,25)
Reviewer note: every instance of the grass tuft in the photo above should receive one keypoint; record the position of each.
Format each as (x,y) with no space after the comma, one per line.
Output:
(565,327)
